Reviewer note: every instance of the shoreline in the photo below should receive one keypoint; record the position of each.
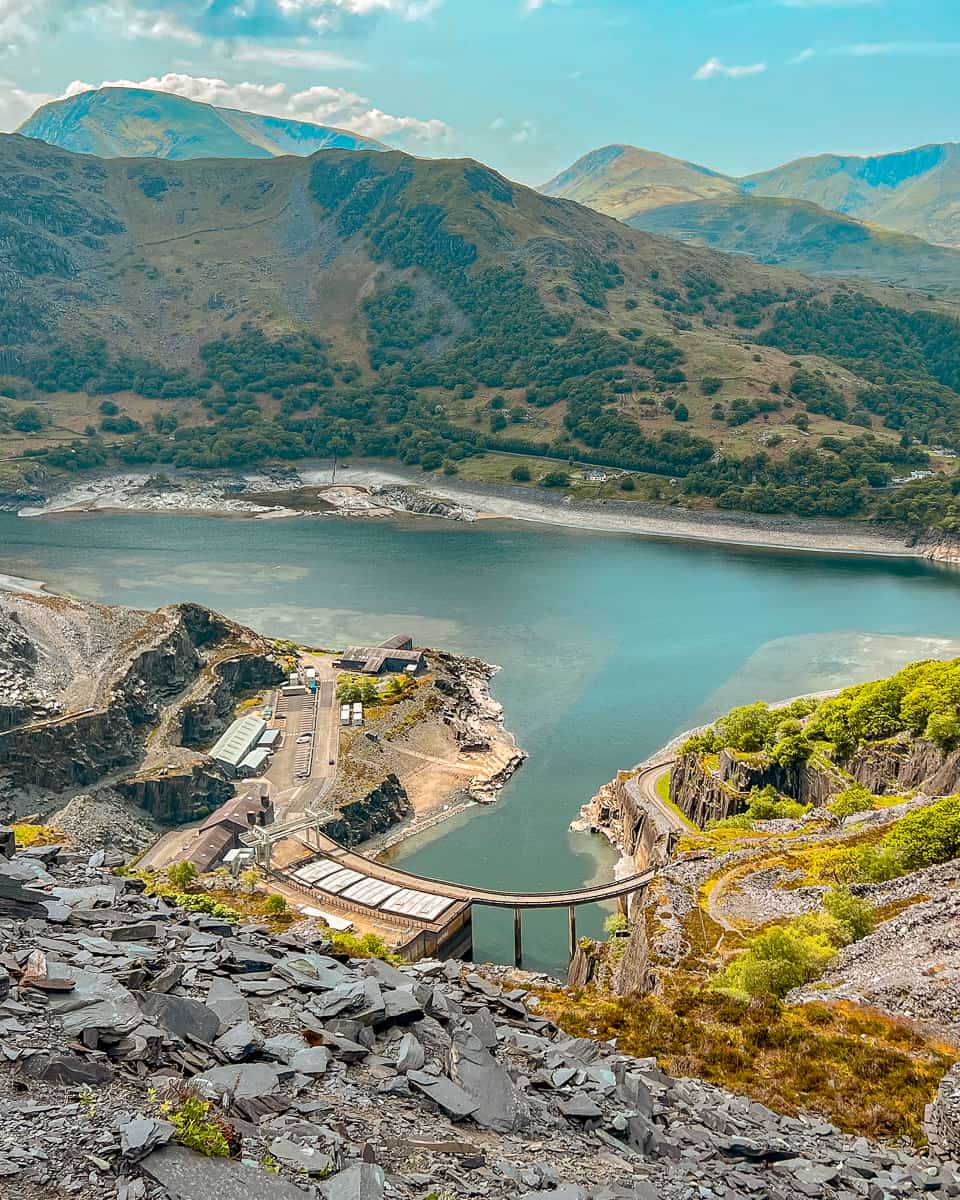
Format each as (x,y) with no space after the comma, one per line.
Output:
(380,490)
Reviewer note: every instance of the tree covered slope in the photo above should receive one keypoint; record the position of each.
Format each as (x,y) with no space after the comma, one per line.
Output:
(222,312)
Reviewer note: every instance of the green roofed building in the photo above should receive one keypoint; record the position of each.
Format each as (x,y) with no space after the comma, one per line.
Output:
(233,746)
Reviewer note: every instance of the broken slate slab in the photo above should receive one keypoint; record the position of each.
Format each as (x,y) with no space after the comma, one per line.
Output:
(240,1041)
(227,1001)
(181,1016)
(65,1068)
(449,1096)
(500,1106)
(185,1175)
(246,1081)
(362,1181)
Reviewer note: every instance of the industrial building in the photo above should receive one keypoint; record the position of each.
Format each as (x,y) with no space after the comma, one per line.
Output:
(221,831)
(235,744)
(395,654)
(255,762)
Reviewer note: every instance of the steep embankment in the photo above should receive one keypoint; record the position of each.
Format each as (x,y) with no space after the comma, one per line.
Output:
(111,680)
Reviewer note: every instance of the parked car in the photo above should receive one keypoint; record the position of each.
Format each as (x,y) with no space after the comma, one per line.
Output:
(304,737)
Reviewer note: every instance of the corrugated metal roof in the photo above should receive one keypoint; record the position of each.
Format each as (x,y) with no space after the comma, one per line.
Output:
(270,737)
(370,892)
(236,742)
(417,904)
(255,759)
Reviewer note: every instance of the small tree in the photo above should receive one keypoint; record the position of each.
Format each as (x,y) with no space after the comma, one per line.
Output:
(250,878)
(182,875)
(520,474)
(274,905)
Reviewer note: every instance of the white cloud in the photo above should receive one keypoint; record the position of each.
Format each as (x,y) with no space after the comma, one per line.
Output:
(828,3)
(497,123)
(527,132)
(881,49)
(713,67)
(408,10)
(802,57)
(16,105)
(294,57)
(322,104)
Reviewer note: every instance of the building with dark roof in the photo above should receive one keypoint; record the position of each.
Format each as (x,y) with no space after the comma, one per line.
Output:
(395,654)
(221,831)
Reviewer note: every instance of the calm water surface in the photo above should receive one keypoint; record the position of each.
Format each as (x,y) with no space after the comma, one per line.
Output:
(609,645)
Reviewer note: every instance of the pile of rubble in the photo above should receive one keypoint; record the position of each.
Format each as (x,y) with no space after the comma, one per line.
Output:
(910,965)
(346,1080)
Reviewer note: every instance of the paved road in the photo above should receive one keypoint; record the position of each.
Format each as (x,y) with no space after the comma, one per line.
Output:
(643,788)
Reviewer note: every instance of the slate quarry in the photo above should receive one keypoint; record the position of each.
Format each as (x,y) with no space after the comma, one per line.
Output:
(352,1079)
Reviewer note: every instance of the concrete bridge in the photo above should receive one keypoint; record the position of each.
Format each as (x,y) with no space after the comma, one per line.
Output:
(333,875)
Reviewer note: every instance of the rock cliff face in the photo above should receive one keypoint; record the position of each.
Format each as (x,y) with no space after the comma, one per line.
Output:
(375,813)
(173,799)
(704,793)
(148,660)
(204,718)
(81,748)
(904,763)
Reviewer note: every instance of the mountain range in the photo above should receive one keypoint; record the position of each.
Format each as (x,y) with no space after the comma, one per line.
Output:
(894,219)
(912,191)
(823,215)
(360,302)
(119,122)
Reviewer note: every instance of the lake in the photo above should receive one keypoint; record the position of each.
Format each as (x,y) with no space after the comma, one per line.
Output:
(609,644)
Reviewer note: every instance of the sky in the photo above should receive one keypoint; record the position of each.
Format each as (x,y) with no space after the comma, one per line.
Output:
(524,85)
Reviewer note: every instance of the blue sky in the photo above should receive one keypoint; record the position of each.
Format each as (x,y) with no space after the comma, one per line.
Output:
(526,85)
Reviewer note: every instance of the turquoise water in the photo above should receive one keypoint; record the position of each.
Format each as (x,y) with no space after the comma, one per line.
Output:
(609,644)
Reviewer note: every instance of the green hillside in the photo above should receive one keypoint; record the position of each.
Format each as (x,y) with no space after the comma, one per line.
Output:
(117,122)
(213,313)
(914,191)
(805,237)
(823,216)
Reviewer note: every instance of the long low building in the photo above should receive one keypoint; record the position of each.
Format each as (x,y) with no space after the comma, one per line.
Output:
(233,746)
(395,654)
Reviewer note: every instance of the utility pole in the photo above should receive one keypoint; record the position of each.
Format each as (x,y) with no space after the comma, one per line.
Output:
(334,478)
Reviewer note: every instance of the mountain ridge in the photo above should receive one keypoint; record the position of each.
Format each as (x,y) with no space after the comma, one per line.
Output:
(121,122)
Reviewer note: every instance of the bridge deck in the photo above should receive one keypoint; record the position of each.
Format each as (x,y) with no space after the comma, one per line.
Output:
(350,860)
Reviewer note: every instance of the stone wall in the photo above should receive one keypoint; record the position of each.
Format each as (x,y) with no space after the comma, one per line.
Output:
(904,763)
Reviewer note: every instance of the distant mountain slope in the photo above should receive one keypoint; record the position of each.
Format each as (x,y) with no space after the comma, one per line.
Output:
(805,237)
(623,181)
(810,215)
(915,191)
(137,123)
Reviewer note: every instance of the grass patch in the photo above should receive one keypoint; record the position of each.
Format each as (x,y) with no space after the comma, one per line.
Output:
(662,787)
(867,1073)
(36,835)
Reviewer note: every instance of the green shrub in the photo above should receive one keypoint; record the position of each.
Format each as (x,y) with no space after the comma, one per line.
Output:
(856,916)
(520,474)
(854,799)
(789,955)
(926,837)
(274,905)
(182,875)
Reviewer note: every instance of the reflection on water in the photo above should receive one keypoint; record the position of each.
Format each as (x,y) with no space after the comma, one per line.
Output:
(609,645)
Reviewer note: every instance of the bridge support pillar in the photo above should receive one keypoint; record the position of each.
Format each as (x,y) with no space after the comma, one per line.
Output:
(572,913)
(623,905)
(517,938)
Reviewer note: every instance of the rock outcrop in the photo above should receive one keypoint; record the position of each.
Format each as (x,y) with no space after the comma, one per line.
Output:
(382,807)
(707,793)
